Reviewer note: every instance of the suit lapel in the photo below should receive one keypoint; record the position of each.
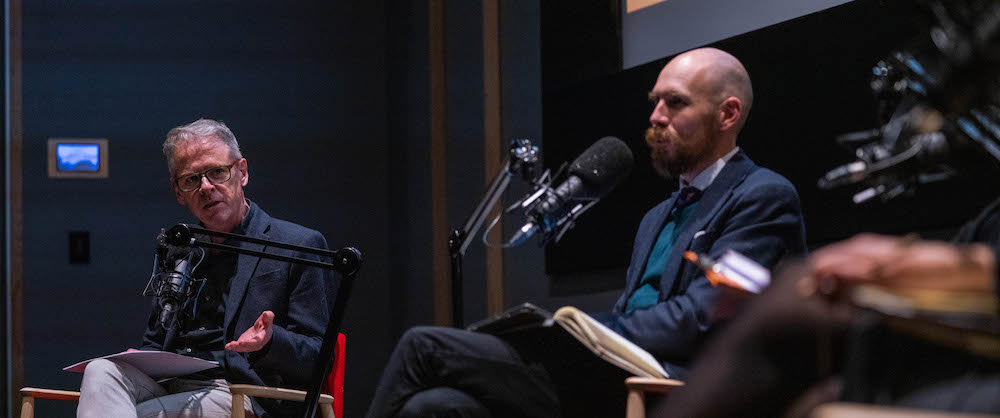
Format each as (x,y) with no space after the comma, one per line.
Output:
(711,202)
(646,242)
(246,265)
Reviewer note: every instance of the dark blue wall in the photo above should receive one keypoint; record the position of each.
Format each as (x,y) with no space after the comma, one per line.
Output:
(303,86)
(522,25)
(409,260)
(331,105)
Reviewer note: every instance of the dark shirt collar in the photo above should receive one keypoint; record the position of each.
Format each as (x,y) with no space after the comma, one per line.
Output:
(245,225)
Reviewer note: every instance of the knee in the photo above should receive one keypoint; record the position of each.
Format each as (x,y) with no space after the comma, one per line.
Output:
(421,333)
(443,402)
(101,367)
(100,373)
(423,337)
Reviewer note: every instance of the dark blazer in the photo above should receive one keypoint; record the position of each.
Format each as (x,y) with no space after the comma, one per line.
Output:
(299,296)
(749,209)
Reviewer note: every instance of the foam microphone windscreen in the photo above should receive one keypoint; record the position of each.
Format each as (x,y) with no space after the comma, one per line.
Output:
(603,166)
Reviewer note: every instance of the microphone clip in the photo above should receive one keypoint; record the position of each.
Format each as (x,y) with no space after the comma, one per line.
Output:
(523,157)
(171,281)
(538,209)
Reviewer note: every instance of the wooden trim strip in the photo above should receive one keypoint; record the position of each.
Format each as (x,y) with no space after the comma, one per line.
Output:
(15,206)
(439,161)
(493,146)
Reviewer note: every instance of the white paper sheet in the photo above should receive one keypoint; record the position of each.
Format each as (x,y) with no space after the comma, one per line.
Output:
(155,364)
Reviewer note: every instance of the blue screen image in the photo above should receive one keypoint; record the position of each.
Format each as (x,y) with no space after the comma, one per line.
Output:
(77,157)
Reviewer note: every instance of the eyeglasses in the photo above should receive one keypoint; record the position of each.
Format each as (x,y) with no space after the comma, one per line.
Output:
(215,175)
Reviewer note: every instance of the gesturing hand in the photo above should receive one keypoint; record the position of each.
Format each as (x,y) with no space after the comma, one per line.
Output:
(256,337)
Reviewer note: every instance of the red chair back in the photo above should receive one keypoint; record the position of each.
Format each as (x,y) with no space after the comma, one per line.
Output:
(334,384)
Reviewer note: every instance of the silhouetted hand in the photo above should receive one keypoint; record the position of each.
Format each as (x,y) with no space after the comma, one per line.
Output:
(907,263)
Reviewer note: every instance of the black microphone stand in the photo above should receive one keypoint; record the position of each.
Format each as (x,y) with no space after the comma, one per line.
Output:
(346,262)
(522,157)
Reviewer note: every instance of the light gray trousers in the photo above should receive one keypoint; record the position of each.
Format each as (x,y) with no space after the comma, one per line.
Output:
(117,390)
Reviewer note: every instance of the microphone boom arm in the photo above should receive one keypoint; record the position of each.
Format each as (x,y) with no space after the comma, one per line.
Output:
(522,157)
(346,262)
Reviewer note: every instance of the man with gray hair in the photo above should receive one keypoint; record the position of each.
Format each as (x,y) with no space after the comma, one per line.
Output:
(261,320)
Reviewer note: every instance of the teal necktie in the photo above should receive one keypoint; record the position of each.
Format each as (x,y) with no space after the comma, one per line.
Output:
(648,292)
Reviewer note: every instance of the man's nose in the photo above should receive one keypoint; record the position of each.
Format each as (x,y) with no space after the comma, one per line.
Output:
(659,117)
(205,184)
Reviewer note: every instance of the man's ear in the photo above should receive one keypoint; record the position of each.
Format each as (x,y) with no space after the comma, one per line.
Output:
(177,194)
(730,113)
(244,172)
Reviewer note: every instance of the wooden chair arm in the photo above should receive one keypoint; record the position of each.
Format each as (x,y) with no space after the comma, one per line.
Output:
(635,404)
(238,390)
(652,384)
(28,396)
(275,393)
(856,410)
(61,395)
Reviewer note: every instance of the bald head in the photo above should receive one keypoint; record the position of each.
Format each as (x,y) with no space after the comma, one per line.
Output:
(701,101)
(717,74)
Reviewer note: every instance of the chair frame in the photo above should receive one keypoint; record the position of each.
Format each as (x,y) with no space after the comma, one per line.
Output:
(857,410)
(635,404)
(639,386)
(329,406)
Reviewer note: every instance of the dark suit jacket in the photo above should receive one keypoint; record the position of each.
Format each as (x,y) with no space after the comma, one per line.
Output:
(749,209)
(299,296)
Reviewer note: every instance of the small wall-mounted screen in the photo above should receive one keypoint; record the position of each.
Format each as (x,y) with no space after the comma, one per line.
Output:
(78,157)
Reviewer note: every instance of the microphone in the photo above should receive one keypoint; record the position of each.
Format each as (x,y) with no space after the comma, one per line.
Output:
(911,147)
(925,150)
(171,281)
(172,292)
(591,176)
(940,100)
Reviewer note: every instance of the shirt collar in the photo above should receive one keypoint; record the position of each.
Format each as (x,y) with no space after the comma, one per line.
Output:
(708,175)
(242,227)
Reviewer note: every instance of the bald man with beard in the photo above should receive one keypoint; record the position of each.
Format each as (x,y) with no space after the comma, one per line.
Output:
(701,101)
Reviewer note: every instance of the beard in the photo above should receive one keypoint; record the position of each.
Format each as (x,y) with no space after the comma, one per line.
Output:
(672,155)
(668,163)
